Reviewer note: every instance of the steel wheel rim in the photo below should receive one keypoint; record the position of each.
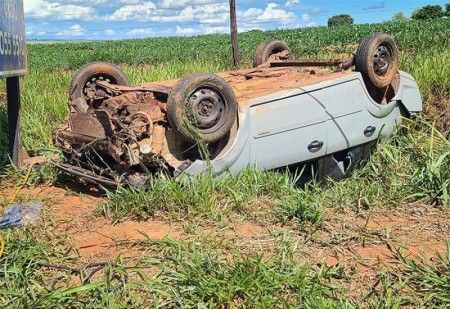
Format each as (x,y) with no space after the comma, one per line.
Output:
(382,60)
(90,83)
(209,109)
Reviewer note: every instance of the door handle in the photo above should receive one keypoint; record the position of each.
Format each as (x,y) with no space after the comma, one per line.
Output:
(369,130)
(315,146)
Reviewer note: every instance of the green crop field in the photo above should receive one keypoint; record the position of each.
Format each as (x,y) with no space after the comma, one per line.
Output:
(208,264)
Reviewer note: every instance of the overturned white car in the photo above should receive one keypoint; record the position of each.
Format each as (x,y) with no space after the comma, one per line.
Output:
(280,113)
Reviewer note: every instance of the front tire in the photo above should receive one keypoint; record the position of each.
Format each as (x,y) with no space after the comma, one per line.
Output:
(202,105)
(92,72)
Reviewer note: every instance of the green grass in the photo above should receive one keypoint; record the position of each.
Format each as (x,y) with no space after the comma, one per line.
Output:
(304,42)
(426,276)
(409,167)
(412,166)
(176,274)
(201,198)
(181,274)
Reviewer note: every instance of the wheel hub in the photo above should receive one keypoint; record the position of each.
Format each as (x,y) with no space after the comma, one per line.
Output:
(381,60)
(208,107)
(93,79)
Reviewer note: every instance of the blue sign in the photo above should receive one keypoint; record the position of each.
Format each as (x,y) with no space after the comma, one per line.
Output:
(13,53)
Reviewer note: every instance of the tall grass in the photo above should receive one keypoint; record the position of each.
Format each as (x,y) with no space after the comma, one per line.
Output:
(203,198)
(181,275)
(411,166)
(415,282)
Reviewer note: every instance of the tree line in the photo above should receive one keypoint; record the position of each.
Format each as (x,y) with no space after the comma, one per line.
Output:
(426,12)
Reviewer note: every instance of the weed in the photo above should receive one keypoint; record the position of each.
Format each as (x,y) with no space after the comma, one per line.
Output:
(203,197)
(419,282)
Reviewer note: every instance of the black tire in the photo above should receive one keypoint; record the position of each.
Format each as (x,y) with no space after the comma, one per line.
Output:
(267,49)
(202,105)
(90,73)
(377,60)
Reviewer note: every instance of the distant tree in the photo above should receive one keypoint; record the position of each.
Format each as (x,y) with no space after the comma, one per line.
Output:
(447,10)
(399,16)
(428,12)
(340,20)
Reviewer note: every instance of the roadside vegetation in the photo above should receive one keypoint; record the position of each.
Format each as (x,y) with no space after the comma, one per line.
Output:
(213,271)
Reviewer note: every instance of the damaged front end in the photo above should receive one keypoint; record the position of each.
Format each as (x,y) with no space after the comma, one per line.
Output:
(117,134)
(120,134)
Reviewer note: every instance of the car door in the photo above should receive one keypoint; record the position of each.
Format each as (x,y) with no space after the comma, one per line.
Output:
(344,104)
(287,130)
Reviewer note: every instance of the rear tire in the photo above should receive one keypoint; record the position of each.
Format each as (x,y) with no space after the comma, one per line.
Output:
(202,105)
(377,60)
(267,49)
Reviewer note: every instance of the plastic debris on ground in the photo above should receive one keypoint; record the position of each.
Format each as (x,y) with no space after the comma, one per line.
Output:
(20,214)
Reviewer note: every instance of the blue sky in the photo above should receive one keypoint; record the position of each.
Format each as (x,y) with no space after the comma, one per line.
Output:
(122,19)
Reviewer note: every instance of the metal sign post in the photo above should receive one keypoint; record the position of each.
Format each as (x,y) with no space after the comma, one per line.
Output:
(13,63)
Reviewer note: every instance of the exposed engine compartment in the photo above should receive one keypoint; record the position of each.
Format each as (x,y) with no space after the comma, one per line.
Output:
(120,131)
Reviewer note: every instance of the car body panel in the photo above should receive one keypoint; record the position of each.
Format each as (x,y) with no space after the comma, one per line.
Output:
(275,130)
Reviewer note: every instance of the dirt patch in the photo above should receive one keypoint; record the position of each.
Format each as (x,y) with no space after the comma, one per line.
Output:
(361,241)
(249,230)
(439,112)
(109,240)
(91,235)
(367,242)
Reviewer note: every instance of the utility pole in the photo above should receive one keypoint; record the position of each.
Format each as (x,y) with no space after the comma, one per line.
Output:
(234,33)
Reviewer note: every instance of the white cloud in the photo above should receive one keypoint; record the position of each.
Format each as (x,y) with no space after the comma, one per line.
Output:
(212,14)
(141,32)
(248,14)
(138,12)
(57,11)
(176,4)
(274,13)
(186,31)
(159,17)
(291,3)
(109,32)
(148,12)
(85,2)
(129,1)
(75,30)
(215,29)
(215,15)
